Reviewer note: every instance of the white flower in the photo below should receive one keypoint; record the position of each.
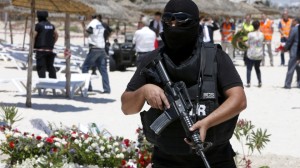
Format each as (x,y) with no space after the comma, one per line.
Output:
(28,136)
(80,144)
(109,146)
(41,144)
(64,142)
(101,141)
(102,148)
(76,141)
(57,144)
(74,135)
(56,133)
(86,141)
(8,133)
(57,139)
(120,156)
(87,150)
(89,139)
(97,137)
(106,155)
(116,144)
(17,135)
(94,145)
(116,149)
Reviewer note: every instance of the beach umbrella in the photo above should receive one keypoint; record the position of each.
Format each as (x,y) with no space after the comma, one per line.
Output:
(212,7)
(154,6)
(60,6)
(4,3)
(266,9)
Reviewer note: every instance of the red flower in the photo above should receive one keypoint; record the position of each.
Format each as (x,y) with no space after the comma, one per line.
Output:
(86,136)
(50,140)
(138,130)
(38,138)
(123,162)
(25,133)
(126,142)
(52,136)
(11,144)
(142,163)
(54,149)
(2,128)
(32,135)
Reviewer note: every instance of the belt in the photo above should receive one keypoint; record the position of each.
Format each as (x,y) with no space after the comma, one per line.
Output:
(143,52)
(40,49)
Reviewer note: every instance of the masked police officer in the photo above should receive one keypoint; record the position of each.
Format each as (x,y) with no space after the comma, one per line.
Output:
(181,57)
(45,37)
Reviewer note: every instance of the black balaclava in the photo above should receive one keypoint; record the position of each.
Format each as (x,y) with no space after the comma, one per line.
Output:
(42,15)
(180,41)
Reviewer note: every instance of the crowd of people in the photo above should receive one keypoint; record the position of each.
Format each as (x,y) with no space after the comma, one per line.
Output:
(148,37)
(257,48)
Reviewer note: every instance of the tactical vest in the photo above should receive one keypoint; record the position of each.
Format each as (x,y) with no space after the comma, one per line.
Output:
(45,38)
(286,27)
(266,29)
(203,91)
(226,30)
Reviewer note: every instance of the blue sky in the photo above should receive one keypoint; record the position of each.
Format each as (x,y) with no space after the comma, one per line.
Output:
(285,1)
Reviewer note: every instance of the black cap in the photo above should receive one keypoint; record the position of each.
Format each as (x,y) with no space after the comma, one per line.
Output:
(186,6)
(42,14)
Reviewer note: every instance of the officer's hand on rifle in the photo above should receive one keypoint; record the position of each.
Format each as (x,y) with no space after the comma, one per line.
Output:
(155,96)
(202,126)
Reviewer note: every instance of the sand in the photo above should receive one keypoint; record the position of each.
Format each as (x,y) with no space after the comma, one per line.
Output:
(270,107)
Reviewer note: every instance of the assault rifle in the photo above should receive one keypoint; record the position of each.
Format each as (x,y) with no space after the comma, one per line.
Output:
(181,105)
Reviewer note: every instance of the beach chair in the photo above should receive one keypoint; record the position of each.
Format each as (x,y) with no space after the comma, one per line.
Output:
(79,82)
(20,59)
(4,55)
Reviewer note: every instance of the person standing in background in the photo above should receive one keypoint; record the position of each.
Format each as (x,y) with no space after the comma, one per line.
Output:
(227,30)
(144,40)
(45,36)
(157,26)
(292,46)
(254,52)
(266,27)
(97,54)
(209,26)
(284,27)
(247,27)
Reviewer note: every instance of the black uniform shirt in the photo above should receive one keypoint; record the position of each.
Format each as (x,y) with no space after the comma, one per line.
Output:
(227,77)
(45,37)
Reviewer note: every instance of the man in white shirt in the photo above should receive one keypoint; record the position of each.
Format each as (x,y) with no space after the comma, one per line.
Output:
(144,40)
(97,54)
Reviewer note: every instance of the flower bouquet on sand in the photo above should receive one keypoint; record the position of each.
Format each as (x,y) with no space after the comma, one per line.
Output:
(67,146)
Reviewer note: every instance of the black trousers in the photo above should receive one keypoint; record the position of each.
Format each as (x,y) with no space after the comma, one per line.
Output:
(44,62)
(250,63)
(219,157)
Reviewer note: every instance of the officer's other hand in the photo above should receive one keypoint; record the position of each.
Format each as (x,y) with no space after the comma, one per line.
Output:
(202,126)
(155,96)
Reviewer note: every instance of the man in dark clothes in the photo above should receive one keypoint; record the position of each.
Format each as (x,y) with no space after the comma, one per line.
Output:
(209,26)
(181,58)
(45,37)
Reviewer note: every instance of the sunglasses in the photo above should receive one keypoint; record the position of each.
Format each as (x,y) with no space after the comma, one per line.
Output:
(181,18)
